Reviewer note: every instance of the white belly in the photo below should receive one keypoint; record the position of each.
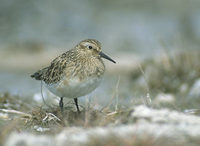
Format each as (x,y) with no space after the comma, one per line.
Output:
(74,88)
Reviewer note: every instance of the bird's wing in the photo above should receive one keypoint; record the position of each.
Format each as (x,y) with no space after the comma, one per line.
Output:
(52,73)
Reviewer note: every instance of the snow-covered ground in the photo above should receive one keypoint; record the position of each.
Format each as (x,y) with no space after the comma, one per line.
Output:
(145,125)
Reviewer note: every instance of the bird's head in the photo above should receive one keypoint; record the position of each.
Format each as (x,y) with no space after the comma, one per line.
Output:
(93,47)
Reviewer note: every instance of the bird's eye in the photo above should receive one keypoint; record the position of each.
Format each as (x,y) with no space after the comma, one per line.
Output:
(90,47)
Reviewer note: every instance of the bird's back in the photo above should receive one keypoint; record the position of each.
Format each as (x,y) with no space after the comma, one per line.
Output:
(70,64)
(54,72)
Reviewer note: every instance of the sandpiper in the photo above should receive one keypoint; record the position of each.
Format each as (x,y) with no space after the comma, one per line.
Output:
(76,72)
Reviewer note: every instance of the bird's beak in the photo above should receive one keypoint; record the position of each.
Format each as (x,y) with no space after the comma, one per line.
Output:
(106,57)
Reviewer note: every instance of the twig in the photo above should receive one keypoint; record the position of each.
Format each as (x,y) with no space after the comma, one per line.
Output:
(49,117)
(117,93)
(148,101)
(16,112)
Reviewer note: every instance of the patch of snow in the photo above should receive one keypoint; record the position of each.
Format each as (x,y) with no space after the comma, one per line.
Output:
(164,116)
(41,129)
(164,98)
(27,139)
(4,116)
(143,121)
(195,89)
(38,97)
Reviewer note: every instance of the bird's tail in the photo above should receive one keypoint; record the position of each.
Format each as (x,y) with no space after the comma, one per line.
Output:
(36,76)
(39,74)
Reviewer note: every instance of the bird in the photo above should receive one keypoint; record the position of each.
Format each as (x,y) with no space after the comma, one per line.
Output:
(75,73)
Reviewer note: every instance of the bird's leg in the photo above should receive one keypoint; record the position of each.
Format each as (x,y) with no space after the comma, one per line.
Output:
(61,103)
(76,103)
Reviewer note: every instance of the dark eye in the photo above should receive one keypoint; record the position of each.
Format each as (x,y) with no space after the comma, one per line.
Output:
(90,47)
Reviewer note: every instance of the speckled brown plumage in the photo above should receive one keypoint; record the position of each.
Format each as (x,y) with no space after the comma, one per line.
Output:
(80,67)
(72,63)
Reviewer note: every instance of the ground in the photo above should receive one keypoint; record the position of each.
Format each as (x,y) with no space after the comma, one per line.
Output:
(161,108)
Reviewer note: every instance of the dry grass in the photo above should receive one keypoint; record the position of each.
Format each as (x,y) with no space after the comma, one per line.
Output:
(20,117)
(8,101)
(169,72)
(166,74)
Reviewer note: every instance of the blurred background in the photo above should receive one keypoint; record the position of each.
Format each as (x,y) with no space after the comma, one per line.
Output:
(156,44)
(33,32)
(132,25)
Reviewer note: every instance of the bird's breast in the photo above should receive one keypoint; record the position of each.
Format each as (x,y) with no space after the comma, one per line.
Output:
(74,87)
